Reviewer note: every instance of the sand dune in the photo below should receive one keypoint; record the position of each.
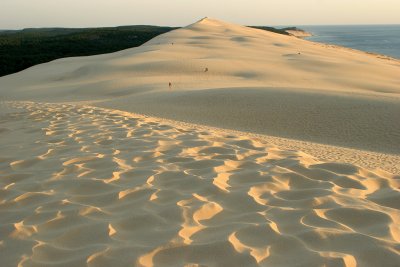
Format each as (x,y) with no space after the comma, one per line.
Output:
(305,173)
(257,81)
(85,186)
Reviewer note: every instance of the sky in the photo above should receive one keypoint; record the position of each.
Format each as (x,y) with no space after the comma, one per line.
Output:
(17,14)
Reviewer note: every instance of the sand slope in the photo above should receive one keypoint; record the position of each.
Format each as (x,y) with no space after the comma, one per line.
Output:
(256,81)
(83,186)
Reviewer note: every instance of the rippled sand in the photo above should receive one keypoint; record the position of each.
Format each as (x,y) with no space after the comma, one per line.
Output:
(84,186)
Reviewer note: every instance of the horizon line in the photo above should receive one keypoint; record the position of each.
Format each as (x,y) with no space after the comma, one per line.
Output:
(171,26)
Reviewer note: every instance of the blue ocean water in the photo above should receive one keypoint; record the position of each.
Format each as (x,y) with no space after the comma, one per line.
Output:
(381,39)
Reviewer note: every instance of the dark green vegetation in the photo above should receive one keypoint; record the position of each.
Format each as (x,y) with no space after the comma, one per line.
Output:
(276,30)
(21,49)
(272,29)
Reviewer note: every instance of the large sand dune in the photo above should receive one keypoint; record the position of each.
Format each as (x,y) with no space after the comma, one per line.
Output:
(86,182)
(257,81)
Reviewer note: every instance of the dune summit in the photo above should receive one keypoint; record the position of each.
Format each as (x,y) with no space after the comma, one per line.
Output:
(88,178)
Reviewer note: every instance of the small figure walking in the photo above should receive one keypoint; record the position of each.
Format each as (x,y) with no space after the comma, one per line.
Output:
(170,85)
(206,70)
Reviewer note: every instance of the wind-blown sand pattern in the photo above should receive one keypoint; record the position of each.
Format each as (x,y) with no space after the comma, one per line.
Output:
(85,186)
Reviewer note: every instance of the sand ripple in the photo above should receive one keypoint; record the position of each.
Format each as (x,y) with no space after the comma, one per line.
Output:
(84,186)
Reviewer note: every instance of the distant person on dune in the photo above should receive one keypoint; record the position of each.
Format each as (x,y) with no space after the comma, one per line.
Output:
(170,85)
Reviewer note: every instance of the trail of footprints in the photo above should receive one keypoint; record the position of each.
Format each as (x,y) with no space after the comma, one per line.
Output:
(84,186)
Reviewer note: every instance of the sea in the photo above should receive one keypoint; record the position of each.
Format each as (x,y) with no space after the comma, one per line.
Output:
(381,39)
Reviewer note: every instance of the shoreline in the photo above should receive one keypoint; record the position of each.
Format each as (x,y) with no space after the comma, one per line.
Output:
(363,40)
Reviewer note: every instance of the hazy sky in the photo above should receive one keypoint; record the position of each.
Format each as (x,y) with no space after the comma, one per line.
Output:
(15,14)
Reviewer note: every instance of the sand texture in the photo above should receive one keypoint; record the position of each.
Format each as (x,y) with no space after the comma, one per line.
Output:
(267,150)
(83,186)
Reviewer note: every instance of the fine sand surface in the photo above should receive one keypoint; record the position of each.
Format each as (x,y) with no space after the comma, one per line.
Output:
(84,186)
(267,150)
